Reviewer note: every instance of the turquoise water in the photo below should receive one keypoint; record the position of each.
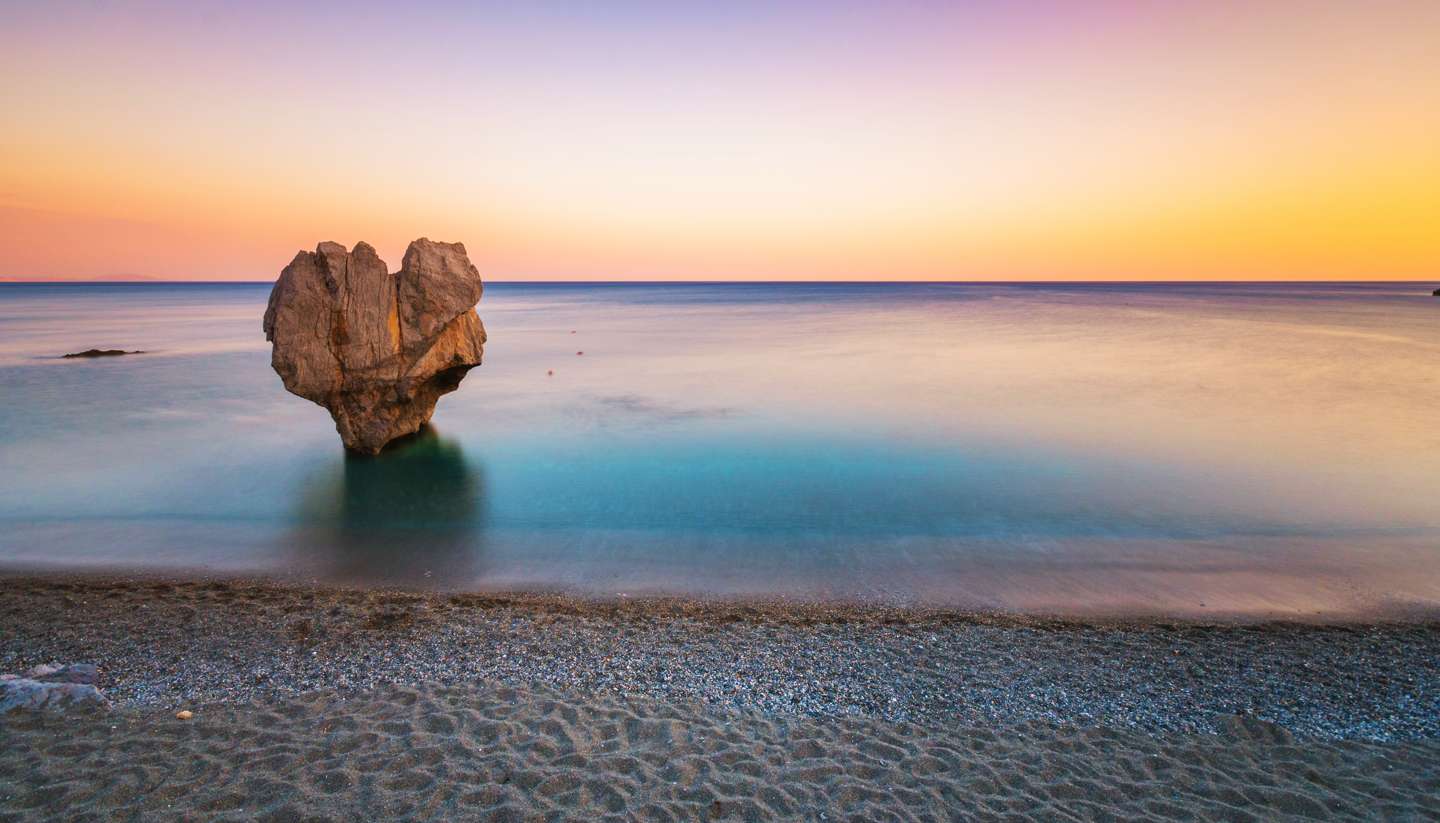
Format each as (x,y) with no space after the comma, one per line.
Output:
(1086,448)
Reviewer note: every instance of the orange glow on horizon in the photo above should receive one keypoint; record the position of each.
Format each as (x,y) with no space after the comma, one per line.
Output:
(1121,141)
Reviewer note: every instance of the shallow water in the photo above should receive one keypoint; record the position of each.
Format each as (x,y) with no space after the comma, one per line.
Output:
(1182,449)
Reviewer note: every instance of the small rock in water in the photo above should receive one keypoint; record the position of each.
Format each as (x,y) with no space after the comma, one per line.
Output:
(184,714)
(1436,292)
(100,353)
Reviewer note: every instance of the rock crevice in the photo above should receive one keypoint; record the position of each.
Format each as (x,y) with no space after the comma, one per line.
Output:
(376,349)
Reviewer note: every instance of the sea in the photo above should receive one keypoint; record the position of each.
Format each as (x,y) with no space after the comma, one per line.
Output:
(1196,449)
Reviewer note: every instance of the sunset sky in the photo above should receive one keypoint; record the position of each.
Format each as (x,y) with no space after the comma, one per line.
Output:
(734,140)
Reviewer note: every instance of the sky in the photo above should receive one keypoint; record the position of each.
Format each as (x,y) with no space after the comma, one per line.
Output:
(738,140)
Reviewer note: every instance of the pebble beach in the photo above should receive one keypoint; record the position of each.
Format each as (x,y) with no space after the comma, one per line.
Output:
(419,703)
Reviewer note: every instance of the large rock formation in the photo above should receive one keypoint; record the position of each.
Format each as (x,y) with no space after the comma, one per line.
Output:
(376,349)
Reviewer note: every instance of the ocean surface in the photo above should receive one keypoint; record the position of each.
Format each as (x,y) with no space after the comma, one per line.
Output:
(1261,449)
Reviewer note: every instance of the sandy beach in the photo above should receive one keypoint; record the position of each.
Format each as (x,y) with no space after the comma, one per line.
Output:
(335,703)
(498,752)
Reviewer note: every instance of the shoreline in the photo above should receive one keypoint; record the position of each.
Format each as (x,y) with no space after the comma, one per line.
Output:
(167,643)
(728,607)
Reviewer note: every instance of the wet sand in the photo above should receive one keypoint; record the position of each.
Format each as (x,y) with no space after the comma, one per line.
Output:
(362,703)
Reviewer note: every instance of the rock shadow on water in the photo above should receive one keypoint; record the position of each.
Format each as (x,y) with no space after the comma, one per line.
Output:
(413,515)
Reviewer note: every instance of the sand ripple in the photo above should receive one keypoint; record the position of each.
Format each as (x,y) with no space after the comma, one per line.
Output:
(495,752)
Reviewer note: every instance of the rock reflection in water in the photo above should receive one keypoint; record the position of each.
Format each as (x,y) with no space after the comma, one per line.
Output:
(412,515)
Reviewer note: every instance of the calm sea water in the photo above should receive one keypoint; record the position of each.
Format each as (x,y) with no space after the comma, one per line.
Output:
(1062,448)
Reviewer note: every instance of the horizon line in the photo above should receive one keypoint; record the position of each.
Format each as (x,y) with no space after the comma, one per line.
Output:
(978,281)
